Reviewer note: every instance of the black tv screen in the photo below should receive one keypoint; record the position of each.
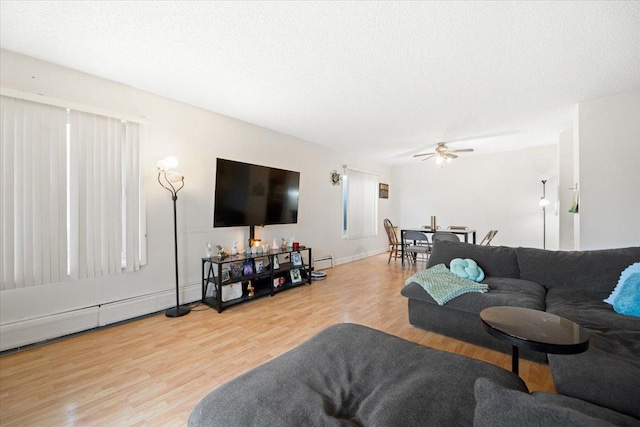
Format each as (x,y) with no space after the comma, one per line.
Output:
(249,194)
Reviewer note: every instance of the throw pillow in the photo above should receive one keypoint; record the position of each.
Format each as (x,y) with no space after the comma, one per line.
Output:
(467,269)
(498,406)
(625,297)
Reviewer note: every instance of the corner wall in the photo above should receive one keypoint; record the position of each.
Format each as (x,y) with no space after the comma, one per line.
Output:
(608,167)
(565,195)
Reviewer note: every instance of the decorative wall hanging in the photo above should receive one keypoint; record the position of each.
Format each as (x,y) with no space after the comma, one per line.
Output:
(384,191)
(335,177)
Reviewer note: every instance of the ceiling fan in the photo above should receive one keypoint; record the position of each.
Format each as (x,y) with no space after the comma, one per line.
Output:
(443,153)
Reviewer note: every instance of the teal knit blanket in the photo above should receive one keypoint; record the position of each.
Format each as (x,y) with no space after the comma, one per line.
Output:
(443,285)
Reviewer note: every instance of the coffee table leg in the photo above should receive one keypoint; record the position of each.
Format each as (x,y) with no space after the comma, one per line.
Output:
(514,359)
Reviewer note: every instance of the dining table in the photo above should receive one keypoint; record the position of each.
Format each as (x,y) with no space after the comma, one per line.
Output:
(464,232)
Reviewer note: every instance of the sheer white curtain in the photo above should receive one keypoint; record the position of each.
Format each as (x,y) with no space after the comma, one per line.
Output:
(33,203)
(361,204)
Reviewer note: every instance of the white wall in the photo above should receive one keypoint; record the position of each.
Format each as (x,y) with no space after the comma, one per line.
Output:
(196,137)
(565,195)
(498,191)
(608,167)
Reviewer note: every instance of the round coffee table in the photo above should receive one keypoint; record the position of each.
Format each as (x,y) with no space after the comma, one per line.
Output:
(534,330)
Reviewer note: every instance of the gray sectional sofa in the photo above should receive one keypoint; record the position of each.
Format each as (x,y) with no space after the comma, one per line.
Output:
(570,284)
(352,375)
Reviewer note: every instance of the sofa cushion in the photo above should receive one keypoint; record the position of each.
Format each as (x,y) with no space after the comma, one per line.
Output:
(352,375)
(588,310)
(497,407)
(497,261)
(586,408)
(624,276)
(502,291)
(467,269)
(607,374)
(594,271)
(627,301)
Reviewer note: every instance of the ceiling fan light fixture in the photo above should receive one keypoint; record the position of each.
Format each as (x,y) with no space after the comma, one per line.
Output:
(442,153)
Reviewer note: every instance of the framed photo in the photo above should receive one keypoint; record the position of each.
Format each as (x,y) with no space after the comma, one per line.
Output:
(296,257)
(259,266)
(247,268)
(276,263)
(383,192)
(278,281)
(236,270)
(226,275)
(296,277)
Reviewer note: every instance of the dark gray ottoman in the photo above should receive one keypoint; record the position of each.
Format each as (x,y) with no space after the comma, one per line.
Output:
(353,375)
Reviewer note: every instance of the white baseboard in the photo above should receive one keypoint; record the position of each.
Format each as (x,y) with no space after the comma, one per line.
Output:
(359,255)
(32,331)
(45,328)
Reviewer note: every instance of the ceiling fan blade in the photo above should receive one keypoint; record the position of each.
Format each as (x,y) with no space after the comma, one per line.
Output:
(430,156)
(462,150)
(424,154)
(450,156)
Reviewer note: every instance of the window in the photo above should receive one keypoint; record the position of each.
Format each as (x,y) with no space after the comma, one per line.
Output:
(72,205)
(359,204)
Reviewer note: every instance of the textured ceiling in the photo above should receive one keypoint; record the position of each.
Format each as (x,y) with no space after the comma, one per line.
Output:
(381,79)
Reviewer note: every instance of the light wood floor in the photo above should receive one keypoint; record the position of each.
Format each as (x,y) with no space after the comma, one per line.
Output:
(154,370)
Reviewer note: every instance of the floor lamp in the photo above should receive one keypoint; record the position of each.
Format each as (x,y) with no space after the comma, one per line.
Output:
(167,179)
(544,203)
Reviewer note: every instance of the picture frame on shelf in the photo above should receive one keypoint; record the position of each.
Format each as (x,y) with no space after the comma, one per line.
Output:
(278,281)
(296,277)
(226,275)
(296,258)
(276,263)
(247,268)
(259,266)
(236,270)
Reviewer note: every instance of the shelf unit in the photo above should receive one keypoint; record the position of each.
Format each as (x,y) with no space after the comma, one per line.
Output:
(263,282)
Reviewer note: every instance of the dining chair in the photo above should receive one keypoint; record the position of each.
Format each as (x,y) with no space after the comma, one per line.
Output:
(395,247)
(417,242)
(457,227)
(445,235)
(486,240)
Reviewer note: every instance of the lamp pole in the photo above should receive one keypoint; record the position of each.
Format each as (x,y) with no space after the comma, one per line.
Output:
(166,179)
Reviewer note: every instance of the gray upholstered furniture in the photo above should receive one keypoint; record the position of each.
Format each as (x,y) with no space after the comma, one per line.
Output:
(351,375)
(570,284)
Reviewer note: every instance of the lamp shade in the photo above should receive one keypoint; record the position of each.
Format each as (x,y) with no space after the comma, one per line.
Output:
(174,176)
(172,162)
(167,163)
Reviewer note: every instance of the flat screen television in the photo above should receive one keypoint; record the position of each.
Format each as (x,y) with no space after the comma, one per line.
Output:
(250,195)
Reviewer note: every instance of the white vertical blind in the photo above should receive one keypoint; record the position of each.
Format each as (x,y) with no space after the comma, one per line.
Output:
(33,206)
(361,204)
(85,190)
(134,200)
(96,159)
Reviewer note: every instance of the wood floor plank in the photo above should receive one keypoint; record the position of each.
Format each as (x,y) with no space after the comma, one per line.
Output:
(153,371)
